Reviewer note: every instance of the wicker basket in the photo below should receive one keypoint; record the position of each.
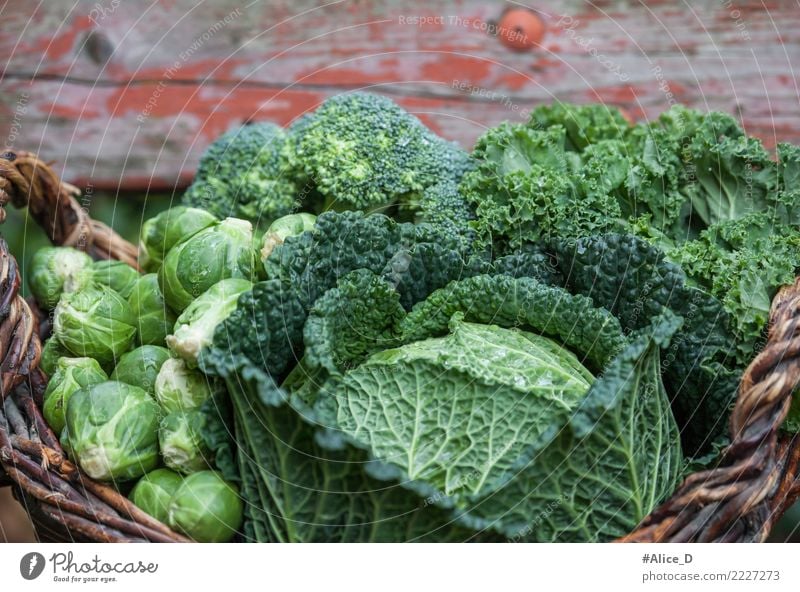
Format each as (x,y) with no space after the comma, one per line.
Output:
(739,501)
(64,504)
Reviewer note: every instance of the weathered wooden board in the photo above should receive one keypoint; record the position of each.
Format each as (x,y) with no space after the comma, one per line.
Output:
(128,93)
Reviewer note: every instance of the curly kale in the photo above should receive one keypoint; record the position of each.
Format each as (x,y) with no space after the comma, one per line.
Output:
(652,193)
(362,151)
(725,174)
(585,124)
(743,262)
(527,187)
(245,174)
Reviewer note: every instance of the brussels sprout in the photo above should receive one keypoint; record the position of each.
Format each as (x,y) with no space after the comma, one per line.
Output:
(179,388)
(140,367)
(63,439)
(113,431)
(161,233)
(155,318)
(71,375)
(222,251)
(180,438)
(95,322)
(194,329)
(55,270)
(154,491)
(51,353)
(206,508)
(117,275)
(284,227)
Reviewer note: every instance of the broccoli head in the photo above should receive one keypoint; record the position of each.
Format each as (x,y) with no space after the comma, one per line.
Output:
(244,174)
(362,151)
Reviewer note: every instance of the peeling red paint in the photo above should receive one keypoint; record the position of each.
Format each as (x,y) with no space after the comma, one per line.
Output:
(69,111)
(190,112)
(352,76)
(63,45)
(198,70)
(286,107)
(449,67)
(616,95)
(513,81)
(543,63)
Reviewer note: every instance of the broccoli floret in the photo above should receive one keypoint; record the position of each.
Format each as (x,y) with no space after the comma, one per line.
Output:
(244,174)
(362,151)
(443,207)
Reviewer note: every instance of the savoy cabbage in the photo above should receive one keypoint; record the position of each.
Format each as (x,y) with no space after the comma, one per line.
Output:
(389,384)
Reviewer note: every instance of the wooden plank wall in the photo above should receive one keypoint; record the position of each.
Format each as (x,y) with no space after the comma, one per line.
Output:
(124,93)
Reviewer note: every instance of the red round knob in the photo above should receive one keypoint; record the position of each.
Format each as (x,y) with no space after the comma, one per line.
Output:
(520,28)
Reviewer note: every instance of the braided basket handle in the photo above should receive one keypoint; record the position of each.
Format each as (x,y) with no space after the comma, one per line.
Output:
(758,478)
(27,181)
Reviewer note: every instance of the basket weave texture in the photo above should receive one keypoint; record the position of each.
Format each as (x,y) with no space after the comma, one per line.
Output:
(738,501)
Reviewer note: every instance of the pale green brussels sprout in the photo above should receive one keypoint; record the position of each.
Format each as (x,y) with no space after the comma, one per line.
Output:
(140,367)
(63,439)
(206,508)
(117,275)
(179,387)
(167,229)
(154,491)
(55,270)
(71,375)
(180,437)
(194,329)
(51,353)
(113,431)
(284,227)
(95,322)
(224,250)
(154,318)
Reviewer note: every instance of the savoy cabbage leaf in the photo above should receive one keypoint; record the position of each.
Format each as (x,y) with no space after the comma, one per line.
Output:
(298,490)
(634,280)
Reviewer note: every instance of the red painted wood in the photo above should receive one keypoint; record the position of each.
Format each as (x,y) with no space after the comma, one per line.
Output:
(130,93)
